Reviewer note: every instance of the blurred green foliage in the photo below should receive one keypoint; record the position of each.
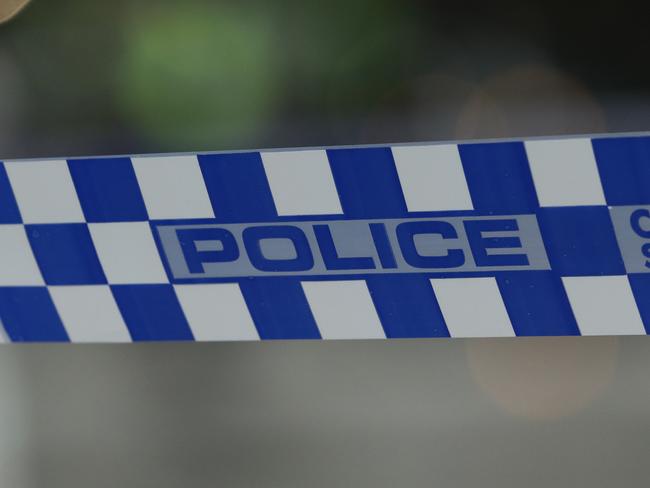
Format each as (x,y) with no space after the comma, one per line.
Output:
(198,74)
(191,73)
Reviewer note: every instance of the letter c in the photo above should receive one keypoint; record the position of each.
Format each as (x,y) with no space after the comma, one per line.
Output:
(406,233)
(635,222)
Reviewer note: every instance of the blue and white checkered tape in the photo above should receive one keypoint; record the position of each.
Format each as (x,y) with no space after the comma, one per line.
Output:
(487,239)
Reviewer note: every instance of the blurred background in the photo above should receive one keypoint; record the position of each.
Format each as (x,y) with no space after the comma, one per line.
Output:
(91,78)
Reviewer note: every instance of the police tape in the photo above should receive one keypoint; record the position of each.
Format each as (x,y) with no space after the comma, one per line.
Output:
(475,239)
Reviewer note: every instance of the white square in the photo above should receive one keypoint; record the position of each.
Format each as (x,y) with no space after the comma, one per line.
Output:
(127,252)
(472,307)
(216,312)
(173,187)
(44,191)
(343,309)
(301,182)
(432,178)
(565,172)
(603,305)
(89,313)
(17,264)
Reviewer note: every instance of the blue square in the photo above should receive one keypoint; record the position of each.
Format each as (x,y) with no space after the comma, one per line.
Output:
(367,182)
(108,189)
(580,241)
(237,186)
(9,213)
(279,308)
(498,177)
(29,315)
(407,306)
(537,303)
(152,312)
(624,166)
(65,254)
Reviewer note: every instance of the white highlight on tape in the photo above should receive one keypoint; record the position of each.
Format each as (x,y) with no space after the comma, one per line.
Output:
(127,252)
(173,187)
(216,312)
(432,178)
(472,307)
(301,182)
(44,191)
(565,172)
(603,305)
(89,313)
(17,264)
(343,309)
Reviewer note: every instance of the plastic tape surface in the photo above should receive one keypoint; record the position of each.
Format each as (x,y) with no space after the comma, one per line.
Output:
(500,238)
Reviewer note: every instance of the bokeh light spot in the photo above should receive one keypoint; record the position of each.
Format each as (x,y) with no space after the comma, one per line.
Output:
(543,378)
(526,100)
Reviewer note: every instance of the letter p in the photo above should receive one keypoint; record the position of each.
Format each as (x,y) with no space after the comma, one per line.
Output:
(207,245)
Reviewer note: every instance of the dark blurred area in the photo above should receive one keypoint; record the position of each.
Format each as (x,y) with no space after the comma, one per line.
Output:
(125,76)
(92,78)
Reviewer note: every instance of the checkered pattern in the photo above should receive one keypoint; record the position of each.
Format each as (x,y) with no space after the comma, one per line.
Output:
(78,260)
